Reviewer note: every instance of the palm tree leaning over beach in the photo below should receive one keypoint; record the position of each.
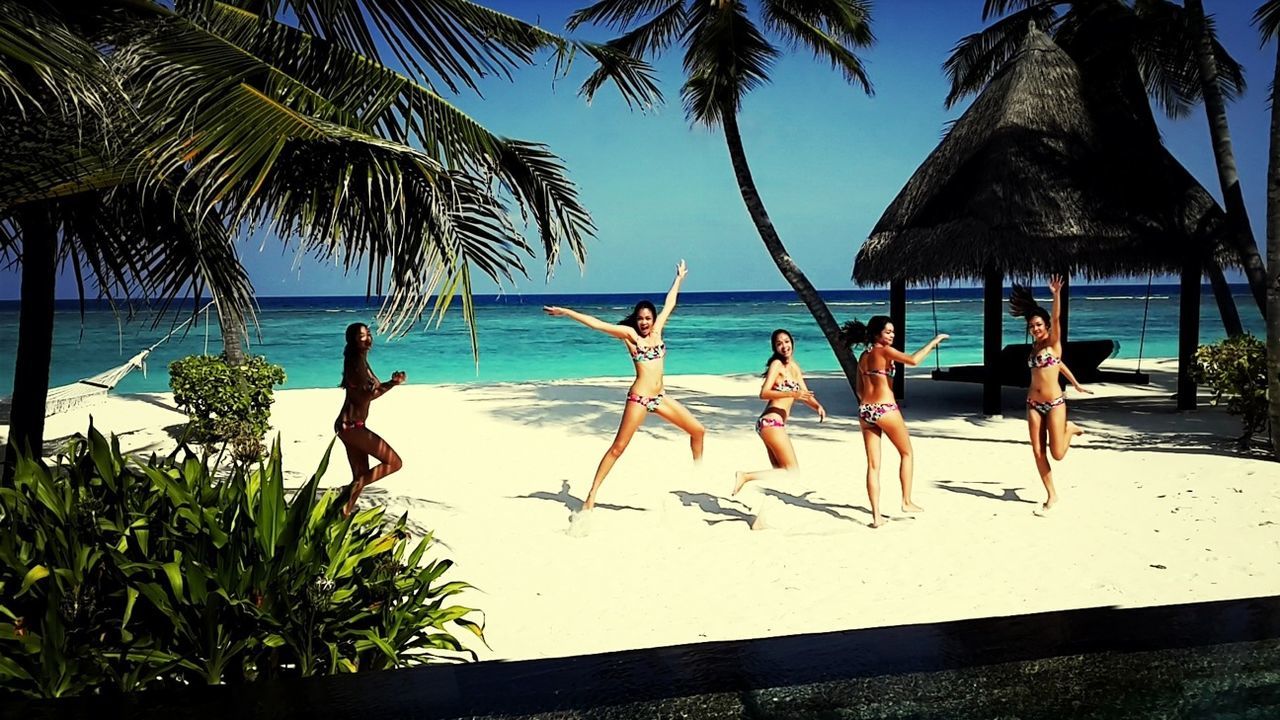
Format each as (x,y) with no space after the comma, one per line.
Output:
(1267,18)
(1157,41)
(726,55)
(168,129)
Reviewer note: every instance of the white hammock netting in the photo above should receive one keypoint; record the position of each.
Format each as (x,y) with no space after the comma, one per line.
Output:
(91,389)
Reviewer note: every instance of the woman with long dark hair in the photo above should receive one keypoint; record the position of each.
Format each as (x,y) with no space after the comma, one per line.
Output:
(362,387)
(783,386)
(1051,432)
(878,412)
(641,333)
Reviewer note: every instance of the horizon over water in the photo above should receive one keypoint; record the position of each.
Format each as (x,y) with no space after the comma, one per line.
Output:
(724,332)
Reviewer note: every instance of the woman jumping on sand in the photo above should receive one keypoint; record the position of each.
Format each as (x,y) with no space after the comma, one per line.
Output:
(783,386)
(878,412)
(641,333)
(1047,422)
(362,388)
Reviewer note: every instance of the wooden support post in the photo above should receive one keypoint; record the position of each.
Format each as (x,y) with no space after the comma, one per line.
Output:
(898,313)
(1188,332)
(992,337)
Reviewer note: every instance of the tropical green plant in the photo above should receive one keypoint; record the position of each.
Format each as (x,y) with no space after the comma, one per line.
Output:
(231,119)
(1267,18)
(726,55)
(1170,50)
(123,574)
(1236,369)
(226,403)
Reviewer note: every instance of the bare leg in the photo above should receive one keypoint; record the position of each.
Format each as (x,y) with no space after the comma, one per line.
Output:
(364,441)
(779,446)
(1061,432)
(1039,449)
(895,428)
(871,439)
(676,414)
(632,417)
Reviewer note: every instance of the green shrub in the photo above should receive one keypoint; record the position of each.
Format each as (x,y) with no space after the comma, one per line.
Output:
(119,575)
(1236,368)
(225,403)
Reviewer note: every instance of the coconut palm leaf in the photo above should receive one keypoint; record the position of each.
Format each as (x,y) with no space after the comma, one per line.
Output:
(806,23)
(1165,46)
(726,56)
(1267,18)
(616,14)
(978,57)
(46,67)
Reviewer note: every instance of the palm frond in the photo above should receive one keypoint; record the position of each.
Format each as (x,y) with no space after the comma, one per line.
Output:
(1267,18)
(801,30)
(615,14)
(993,8)
(726,57)
(48,68)
(455,41)
(978,57)
(633,78)
(1167,49)
(848,21)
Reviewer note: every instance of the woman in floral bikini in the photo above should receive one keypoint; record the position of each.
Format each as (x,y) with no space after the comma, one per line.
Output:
(641,332)
(362,387)
(783,386)
(1051,432)
(878,412)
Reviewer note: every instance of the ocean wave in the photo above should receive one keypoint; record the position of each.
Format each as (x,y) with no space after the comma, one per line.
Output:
(841,304)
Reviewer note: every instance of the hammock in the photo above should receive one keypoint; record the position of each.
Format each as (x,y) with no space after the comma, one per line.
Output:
(92,389)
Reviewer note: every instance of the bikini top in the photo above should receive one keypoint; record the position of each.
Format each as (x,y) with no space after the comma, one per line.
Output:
(1043,359)
(786,385)
(645,354)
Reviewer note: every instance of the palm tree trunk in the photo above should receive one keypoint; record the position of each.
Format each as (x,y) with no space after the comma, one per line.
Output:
(231,325)
(1240,232)
(1273,266)
(1222,294)
(804,289)
(35,335)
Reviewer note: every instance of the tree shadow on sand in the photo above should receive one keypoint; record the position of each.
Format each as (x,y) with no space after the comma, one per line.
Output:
(710,504)
(571,503)
(1007,494)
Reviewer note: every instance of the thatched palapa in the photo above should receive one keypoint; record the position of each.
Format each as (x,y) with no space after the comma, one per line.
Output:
(1027,183)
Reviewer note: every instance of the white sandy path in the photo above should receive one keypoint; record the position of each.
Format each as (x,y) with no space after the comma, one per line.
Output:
(495,470)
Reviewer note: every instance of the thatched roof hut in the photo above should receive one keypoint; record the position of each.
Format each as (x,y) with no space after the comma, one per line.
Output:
(1026,183)
(1037,177)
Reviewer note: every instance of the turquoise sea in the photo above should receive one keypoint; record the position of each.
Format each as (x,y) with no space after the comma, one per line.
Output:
(715,332)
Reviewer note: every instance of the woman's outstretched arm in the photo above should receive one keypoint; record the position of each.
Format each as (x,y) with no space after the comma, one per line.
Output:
(1055,329)
(669,304)
(918,356)
(622,332)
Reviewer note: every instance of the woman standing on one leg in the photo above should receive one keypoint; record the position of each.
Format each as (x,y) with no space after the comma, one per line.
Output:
(1050,431)
(641,333)
(878,412)
(362,387)
(783,386)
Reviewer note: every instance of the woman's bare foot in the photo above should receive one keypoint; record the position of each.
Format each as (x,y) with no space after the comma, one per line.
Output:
(1044,510)
(739,479)
(877,522)
(1074,429)
(911,507)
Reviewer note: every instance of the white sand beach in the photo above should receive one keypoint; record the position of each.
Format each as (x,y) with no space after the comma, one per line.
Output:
(1157,507)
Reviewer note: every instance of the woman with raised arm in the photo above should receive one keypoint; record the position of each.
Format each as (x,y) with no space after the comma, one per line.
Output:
(783,386)
(641,333)
(878,412)
(362,387)
(1051,432)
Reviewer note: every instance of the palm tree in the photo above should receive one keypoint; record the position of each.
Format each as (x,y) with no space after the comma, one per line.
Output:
(235,121)
(726,55)
(1153,41)
(1267,18)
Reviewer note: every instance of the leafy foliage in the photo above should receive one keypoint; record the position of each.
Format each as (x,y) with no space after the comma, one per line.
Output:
(225,403)
(117,574)
(1236,368)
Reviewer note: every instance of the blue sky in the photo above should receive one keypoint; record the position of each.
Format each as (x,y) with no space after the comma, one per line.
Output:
(827,159)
